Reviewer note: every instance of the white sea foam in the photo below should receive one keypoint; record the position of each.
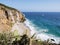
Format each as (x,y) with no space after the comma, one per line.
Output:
(41,33)
(31,26)
(44,36)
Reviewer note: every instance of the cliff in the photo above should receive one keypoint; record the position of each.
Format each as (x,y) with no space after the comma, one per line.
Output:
(11,20)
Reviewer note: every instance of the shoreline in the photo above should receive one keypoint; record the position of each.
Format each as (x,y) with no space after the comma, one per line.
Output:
(45,37)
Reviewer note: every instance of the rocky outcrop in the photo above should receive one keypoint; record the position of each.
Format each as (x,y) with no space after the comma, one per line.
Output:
(9,16)
(12,26)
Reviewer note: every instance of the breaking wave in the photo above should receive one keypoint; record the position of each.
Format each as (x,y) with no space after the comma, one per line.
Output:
(40,34)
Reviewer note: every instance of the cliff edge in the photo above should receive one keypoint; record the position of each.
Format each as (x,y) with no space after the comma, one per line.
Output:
(11,20)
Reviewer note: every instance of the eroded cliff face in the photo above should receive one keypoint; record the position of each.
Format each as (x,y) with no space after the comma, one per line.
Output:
(11,20)
(9,16)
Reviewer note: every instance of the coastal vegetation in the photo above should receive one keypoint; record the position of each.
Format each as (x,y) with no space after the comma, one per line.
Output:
(9,38)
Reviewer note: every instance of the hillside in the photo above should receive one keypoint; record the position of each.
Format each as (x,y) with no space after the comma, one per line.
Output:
(9,16)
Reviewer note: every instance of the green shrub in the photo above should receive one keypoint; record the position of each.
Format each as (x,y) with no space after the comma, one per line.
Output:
(7,37)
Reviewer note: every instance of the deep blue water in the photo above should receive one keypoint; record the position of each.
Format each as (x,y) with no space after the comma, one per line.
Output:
(45,20)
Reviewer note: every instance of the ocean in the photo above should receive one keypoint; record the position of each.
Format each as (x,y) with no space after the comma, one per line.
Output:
(46,25)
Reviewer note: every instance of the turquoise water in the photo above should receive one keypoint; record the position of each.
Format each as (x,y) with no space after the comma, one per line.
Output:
(48,21)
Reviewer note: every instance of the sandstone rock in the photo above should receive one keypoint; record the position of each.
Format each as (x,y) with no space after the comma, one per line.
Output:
(9,16)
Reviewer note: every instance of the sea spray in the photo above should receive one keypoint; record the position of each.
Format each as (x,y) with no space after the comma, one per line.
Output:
(41,34)
(29,24)
(33,27)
